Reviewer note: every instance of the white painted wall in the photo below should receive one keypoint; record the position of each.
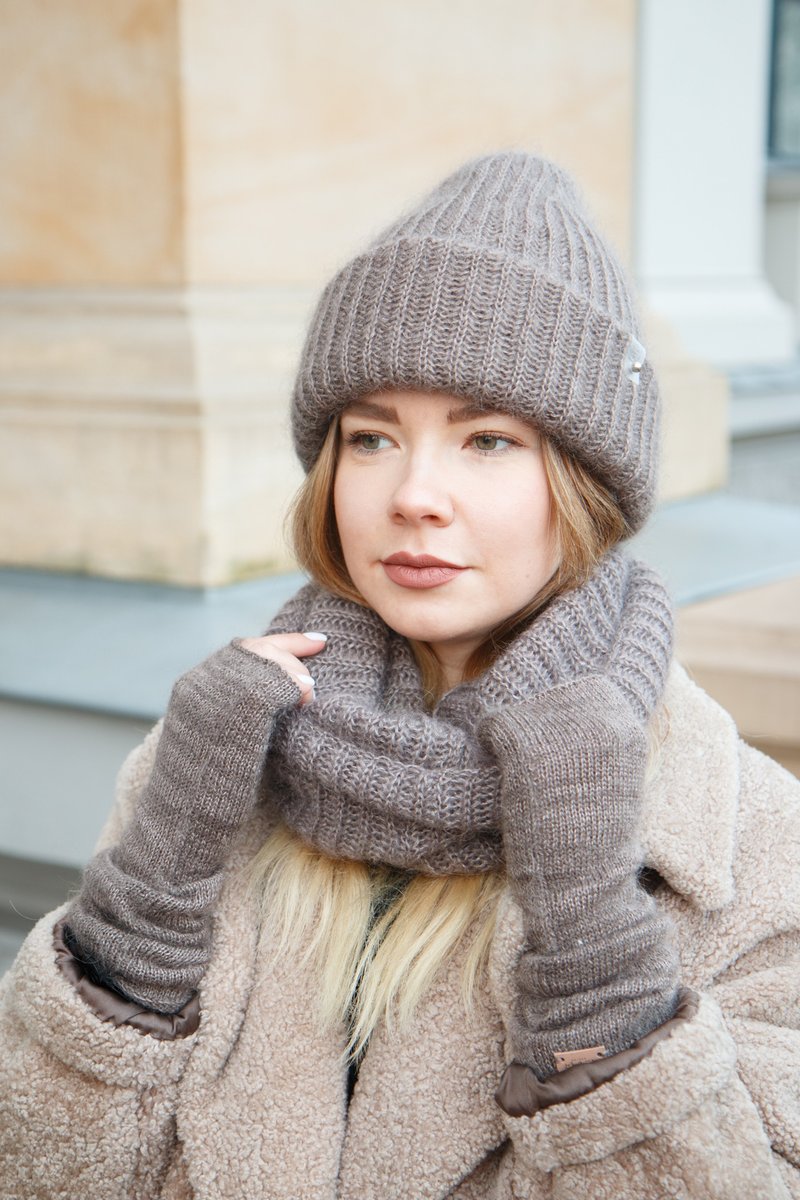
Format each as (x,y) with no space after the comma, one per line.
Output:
(699,178)
(782,240)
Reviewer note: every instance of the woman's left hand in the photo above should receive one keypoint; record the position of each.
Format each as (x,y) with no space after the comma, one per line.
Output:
(601,968)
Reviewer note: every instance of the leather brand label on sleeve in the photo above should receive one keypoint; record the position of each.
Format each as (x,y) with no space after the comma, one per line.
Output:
(571,1058)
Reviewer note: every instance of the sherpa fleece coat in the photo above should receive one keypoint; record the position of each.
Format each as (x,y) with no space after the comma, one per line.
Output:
(252,1106)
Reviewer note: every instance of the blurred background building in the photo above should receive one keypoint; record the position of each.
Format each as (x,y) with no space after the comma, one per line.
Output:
(179,179)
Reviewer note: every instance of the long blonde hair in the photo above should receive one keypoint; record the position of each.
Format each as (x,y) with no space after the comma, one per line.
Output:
(376,937)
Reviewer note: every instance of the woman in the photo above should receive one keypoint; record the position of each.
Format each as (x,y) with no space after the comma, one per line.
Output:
(495,904)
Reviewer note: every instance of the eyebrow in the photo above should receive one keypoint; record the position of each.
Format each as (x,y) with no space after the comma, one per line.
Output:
(383,412)
(465,413)
(368,408)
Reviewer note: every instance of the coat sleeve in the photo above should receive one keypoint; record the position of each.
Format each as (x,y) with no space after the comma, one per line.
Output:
(86,1108)
(713,1111)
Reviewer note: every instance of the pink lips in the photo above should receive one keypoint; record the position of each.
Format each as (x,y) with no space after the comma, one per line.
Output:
(419,570)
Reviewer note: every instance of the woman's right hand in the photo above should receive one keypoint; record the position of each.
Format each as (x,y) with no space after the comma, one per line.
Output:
(287,650)
(142,916)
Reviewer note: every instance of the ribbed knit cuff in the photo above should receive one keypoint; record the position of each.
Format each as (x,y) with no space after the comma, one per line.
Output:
(142,920)
(110,1005)
(522,1094)
(600,968)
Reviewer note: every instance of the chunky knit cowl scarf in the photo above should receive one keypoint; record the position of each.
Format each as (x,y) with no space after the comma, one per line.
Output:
(365,772)
(536,768)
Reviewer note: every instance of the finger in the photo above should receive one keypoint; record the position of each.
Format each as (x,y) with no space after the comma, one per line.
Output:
(306,685)
(274,648)
(294,667)
(301,645)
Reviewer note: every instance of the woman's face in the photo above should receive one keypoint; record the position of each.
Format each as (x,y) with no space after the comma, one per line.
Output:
(424,477)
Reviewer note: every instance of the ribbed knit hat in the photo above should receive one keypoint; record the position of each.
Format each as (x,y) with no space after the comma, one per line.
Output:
(498,288)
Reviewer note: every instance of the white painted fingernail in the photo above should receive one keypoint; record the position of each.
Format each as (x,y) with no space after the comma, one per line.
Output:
(316,637)
(305,679)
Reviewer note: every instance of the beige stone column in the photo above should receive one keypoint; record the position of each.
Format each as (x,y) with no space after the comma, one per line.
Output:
(180,177)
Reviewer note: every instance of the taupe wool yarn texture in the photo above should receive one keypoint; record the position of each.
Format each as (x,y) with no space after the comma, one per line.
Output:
(537,765)
(367,773)
(498,288)
(601,967)
(142,919)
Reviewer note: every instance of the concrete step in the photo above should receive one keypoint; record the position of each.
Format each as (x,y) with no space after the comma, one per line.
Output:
(764,416)
(744,649)
(765,400)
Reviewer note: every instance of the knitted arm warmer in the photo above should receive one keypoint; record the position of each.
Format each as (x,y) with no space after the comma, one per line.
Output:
(142,919)
(600,968)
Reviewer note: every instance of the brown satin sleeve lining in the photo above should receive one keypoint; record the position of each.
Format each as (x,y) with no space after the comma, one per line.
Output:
(110,1006)
(522,1094)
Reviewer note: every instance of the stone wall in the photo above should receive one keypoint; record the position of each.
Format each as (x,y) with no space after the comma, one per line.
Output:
(181,176)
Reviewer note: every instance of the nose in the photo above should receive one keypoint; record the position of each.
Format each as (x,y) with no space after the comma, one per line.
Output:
(420,494)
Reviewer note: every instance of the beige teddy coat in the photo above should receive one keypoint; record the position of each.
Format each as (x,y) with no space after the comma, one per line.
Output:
(252,1106)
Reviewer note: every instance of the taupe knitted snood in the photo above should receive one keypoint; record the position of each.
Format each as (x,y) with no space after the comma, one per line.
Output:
(537,766)
(365,772)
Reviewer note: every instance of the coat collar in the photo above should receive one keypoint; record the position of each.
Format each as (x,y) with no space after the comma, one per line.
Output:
(689,825)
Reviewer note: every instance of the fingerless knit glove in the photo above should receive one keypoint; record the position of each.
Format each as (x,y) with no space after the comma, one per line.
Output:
(600,967)
(142,920)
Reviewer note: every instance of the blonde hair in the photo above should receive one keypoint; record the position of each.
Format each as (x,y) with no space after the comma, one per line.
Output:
(375,937)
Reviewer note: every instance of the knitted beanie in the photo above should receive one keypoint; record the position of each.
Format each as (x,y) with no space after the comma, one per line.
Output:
(497,288)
